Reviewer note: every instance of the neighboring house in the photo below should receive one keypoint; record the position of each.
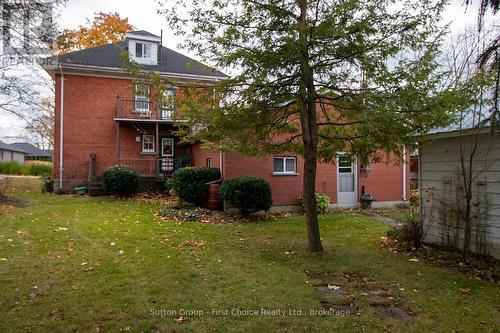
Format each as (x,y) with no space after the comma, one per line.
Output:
(103,120)
(441,188)
(11,153)
(33,152)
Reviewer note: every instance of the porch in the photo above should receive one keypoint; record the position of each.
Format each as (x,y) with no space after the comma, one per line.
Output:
(151,148)
(159,168)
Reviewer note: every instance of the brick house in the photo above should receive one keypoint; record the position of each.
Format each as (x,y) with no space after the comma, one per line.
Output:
(103,120)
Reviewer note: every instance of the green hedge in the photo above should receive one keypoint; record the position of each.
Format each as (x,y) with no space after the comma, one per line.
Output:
(15,168)
(190,184)
(120,180)
(248,194)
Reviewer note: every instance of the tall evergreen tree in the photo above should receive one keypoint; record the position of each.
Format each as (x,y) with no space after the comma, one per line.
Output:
(314,77)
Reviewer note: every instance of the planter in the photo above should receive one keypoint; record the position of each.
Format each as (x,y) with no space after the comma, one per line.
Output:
(80,190)
(366,201)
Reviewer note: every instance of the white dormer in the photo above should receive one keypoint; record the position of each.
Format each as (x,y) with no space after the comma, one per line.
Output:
(143,47)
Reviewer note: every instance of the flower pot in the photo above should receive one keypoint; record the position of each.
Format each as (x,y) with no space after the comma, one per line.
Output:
(80,190)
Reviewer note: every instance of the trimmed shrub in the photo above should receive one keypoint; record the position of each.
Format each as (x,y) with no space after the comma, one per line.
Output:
(248,194)
(322,202)
(120,180)
(190,184)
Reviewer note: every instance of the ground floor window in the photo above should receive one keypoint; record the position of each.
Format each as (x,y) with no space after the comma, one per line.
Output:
(209,162)
(148,143)
(285,165)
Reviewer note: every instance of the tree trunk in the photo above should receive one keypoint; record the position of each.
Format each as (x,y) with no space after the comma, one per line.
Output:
(309,126)
(309,180)
(467,226)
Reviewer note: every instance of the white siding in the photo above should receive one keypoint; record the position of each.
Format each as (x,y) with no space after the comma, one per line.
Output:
(440,178)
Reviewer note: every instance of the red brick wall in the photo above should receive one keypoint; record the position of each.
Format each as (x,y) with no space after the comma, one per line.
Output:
(200,157)
(286,188)
(89,109)
(384,181)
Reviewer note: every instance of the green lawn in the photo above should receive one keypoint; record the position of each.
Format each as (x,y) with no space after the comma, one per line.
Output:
(99,264)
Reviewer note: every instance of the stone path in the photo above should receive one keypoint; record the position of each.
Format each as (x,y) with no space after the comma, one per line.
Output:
(384,219)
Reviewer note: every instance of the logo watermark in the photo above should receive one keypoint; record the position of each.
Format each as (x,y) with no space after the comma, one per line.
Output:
(28,32)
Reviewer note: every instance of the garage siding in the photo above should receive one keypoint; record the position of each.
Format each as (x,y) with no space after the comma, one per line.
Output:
(441,179)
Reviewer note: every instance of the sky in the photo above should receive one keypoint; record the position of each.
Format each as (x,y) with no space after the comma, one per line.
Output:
(143,15)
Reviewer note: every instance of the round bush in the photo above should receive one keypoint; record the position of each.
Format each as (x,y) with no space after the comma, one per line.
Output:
(190,184)
(322,202)
(248,194)
(120,180)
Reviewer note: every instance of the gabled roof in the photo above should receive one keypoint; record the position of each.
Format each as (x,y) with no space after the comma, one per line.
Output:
(4,146)
(108,57)
(30,149)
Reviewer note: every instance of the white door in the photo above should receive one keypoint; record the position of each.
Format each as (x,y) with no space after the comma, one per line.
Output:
(346,181)
(167,155)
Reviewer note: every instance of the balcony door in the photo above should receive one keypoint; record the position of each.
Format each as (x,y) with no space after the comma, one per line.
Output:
(168,104)
(141,100)
(346,181)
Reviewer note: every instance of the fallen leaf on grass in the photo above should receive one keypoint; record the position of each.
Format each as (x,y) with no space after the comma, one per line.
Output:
(180,320)
(333,287)
(465,290)
(3,259)
(84,263)
(413,260)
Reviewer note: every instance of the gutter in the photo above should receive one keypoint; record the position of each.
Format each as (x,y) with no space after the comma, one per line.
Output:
(61,131)
(118,70)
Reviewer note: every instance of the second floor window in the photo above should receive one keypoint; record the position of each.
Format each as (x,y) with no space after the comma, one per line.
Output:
(142,50)
(141,98)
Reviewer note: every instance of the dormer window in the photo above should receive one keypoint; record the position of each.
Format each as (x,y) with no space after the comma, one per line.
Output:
(142,50)
(143,47)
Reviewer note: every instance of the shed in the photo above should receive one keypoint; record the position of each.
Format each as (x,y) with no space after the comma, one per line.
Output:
(442,191)
(33,152)
(10,153)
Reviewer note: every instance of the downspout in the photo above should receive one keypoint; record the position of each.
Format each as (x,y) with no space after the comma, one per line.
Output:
(404,173)
(61,130)
(221,161)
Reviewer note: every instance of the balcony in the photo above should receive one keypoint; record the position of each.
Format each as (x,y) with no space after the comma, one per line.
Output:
(142,110)
(153,167)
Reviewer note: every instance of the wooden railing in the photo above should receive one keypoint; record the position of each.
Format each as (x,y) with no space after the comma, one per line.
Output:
(149,167)
(142,109)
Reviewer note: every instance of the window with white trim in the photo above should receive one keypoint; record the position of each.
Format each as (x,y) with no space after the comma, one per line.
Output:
(285,165)
(148,143)
(168,103)
(142,50)
(141,97)
(209,162)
